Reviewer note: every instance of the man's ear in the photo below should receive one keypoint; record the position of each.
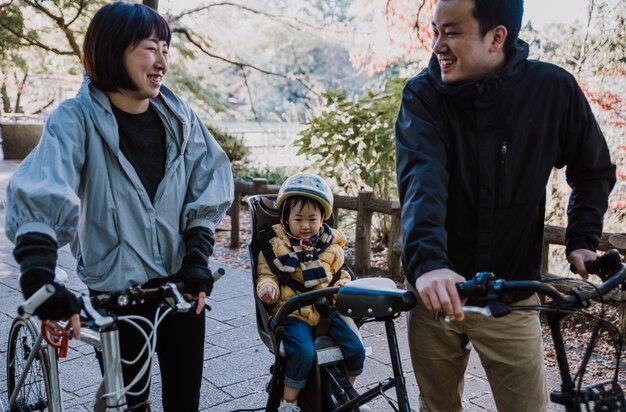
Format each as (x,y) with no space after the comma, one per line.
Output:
(499,34)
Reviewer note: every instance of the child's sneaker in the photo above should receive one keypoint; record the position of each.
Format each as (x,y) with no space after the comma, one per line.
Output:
(288,407)
(364,408)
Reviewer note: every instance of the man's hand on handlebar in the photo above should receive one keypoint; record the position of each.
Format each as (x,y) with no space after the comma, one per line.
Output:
(437,290)
(578,258)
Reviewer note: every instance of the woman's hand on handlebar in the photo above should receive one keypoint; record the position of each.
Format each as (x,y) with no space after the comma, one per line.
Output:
(437,290)
(578,258)
(74,324)
(199,299)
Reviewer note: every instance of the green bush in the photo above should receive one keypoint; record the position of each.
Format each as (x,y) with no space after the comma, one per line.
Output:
(274,176)
(353,141)
(233,146)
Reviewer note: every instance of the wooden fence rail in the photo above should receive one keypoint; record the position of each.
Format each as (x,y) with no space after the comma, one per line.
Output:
(365,206)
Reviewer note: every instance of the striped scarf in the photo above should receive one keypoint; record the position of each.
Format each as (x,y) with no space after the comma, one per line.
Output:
(306,254)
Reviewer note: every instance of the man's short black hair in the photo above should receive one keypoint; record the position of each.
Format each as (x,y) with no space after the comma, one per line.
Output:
(113,29)
(508,13)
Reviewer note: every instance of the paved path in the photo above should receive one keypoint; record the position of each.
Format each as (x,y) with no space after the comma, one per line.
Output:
(236,363)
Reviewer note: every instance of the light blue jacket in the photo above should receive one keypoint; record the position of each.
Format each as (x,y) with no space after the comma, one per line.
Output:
(78,187)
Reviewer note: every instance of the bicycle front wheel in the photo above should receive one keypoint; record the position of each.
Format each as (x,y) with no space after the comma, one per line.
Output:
(33,394)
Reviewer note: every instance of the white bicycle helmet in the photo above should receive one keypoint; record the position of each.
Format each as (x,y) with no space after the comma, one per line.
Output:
(308,185)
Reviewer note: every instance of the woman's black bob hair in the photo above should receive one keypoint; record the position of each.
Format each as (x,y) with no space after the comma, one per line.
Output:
(113,29)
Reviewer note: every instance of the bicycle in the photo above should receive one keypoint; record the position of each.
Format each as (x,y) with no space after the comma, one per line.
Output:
(32,352)
(328,388)
(489,293)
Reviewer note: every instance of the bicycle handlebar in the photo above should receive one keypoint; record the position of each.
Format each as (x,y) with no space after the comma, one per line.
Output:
(298,301)
(170,292)
(486,288)
(29,307)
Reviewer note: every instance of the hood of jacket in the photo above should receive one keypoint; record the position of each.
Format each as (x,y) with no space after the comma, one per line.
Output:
(517,56)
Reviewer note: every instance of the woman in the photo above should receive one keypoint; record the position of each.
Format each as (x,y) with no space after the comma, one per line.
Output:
(128,174)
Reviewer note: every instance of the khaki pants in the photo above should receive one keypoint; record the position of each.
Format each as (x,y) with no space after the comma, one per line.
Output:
(510,349)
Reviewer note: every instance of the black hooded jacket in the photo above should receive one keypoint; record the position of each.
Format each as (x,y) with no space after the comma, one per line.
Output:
(473,161)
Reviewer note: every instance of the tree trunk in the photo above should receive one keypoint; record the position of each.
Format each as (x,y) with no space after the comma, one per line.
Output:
(20,88)
(153,4)
(6,102)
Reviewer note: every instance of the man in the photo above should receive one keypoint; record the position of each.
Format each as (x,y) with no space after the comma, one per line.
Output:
(477,136)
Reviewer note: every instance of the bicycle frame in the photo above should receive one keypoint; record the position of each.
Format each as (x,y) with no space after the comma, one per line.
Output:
(488,289)
(568,386)
(54,397)
(380,302)
(106,339)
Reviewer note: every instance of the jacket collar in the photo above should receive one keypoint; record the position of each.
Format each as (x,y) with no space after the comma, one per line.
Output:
(103,118)
(518,55)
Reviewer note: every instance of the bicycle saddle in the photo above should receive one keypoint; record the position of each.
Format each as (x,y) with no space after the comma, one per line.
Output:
(373,297)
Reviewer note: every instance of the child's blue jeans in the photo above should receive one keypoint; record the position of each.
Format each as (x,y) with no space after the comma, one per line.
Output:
(300,351)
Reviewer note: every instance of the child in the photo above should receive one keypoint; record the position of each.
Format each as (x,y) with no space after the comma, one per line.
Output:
(312,252)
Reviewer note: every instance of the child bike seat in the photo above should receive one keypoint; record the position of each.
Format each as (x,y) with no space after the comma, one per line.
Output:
(373,297)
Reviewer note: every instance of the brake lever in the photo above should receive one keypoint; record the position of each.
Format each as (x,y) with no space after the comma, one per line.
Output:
(485,311)
(492,310)
(94,317)
(175,299)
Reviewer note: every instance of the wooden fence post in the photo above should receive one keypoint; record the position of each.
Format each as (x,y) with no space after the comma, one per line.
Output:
(335,217)
(363,234)
(234,210)
(394,252)
(622,314)
(256,185)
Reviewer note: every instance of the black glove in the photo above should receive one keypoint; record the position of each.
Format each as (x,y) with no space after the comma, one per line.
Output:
(37,254)
(194,271)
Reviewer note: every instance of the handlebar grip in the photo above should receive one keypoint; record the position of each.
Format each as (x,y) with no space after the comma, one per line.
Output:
(30,306)
(476,287)
(604,266)
(218,274)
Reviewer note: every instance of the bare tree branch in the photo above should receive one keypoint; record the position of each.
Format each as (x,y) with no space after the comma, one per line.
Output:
(290,77)
(44,107)
(79,12)
(69,34)
(417,23)
(33,42)
(583,47)
(245,80)
(289,21)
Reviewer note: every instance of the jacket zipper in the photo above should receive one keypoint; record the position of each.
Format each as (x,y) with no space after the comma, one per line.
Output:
(503,153)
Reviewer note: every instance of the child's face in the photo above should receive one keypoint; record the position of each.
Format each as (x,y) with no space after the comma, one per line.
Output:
(304,220)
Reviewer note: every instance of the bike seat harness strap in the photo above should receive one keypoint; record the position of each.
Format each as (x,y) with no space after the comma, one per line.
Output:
(284,278)
(324,306)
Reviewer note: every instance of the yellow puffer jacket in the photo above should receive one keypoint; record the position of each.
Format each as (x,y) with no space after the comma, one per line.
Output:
(331,259)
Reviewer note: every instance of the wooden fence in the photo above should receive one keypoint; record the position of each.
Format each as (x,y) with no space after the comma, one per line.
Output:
(365,206)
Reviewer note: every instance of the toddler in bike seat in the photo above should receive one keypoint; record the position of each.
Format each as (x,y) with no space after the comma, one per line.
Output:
(306,255)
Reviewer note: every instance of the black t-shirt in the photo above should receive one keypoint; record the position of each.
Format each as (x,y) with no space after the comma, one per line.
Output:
(142,141)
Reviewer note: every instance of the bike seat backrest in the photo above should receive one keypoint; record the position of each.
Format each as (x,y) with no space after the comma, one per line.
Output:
(263,213)
(373,297)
